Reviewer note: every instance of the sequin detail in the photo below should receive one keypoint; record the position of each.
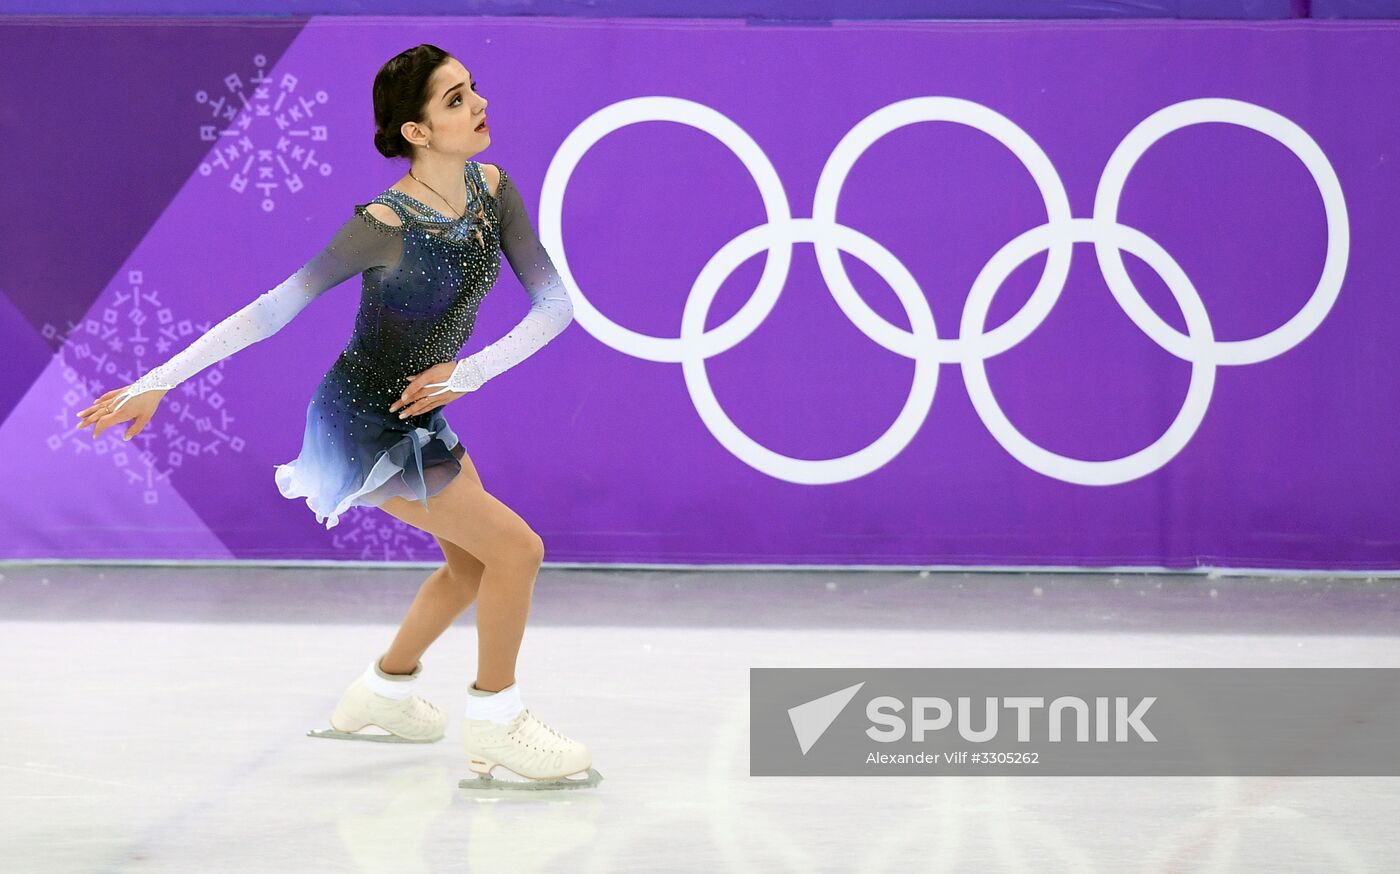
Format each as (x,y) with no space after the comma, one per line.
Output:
(422,284)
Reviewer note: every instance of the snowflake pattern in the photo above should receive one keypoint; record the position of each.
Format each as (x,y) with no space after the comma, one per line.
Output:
(264,134)
(370,534)
(128,332)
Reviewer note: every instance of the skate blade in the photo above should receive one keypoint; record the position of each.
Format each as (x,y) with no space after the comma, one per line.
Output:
(486,781)
(387,738)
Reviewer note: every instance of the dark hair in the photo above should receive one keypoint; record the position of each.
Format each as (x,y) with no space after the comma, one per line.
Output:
(400,94)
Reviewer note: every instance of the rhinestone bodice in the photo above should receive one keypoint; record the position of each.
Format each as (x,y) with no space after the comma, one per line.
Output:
(421,311)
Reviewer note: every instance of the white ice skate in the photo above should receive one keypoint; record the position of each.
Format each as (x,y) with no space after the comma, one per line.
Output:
(386,702)
(530,749)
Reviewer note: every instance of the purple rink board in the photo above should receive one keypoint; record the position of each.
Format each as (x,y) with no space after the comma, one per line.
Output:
(787,10)
(1014,293)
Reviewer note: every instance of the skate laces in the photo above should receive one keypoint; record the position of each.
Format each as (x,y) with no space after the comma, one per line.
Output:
(528,720)
(545,727)
(424,711)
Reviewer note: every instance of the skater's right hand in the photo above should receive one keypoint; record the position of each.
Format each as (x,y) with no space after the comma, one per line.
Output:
(139,408)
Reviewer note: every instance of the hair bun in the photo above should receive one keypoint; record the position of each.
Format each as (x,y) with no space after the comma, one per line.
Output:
(400,95)
(381,143)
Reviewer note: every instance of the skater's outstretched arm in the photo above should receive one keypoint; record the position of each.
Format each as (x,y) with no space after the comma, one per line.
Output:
(359,244)
(550,307)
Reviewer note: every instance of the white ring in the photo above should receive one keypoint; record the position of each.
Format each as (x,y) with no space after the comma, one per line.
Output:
(1027,151)
(733,137)
(906,288)
(1039,459)
(1296,140)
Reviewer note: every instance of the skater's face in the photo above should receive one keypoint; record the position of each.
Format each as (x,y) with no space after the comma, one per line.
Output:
(454,111)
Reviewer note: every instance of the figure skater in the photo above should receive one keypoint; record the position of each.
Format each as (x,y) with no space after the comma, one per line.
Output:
(428,249)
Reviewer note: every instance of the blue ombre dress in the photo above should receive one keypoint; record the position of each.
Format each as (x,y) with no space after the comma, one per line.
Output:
(422,284)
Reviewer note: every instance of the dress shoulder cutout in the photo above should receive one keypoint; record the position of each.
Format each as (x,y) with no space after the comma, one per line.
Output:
(390,217)
(485,177)
(383,213)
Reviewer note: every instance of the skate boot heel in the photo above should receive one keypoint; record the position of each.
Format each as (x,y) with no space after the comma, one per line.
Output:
(375,699)
(341,721)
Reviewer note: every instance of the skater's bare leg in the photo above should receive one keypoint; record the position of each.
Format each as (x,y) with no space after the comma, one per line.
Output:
(446,595)
(465,515)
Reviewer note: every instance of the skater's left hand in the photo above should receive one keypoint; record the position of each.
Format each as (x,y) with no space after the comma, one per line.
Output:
(417,399)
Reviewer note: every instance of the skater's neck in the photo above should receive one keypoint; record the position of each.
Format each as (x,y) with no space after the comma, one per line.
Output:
(438,177)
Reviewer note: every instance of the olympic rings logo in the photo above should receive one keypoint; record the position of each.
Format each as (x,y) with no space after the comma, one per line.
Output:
(973,345)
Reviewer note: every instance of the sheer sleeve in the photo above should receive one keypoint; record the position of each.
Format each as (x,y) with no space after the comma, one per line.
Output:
(550,307)
(361,243)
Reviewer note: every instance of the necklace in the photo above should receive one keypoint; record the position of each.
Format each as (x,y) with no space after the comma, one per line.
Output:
(440,197)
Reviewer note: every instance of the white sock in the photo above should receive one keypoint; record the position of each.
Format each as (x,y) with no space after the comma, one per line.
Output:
(393,686)
(499,707)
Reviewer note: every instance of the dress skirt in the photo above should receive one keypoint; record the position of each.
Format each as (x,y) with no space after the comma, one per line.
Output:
(354,452)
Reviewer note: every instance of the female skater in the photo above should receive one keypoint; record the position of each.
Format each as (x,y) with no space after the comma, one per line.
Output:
(428,249)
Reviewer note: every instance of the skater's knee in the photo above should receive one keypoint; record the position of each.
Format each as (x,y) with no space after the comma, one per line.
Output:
(516,546)
(534,548)
(491,532)
(522,547)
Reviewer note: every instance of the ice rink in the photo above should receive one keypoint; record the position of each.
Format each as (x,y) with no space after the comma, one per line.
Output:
(154,719)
